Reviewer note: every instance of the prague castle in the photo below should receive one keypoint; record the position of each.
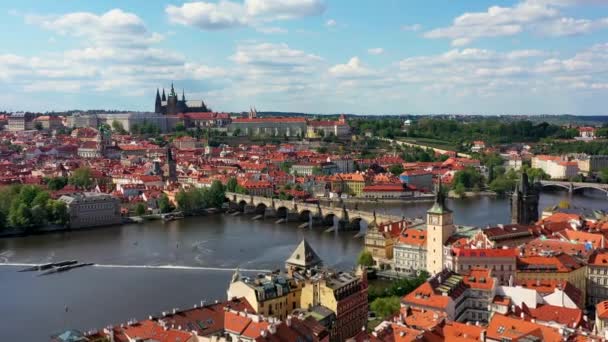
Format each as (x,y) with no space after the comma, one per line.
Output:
(172,105)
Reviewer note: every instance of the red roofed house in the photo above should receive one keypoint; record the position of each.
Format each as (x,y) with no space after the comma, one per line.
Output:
(502,262)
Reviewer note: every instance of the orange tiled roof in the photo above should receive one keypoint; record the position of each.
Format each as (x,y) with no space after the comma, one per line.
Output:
(501,327)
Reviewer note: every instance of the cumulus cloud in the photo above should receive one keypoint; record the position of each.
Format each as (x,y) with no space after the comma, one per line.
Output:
(375,51)
(331,23)
(538,16)
(352,69)
(229,14)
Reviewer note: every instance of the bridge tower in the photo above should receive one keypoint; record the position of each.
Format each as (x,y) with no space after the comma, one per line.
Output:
(439,228)
(524,202)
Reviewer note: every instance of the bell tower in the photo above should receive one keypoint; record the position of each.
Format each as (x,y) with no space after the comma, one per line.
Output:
(439,228)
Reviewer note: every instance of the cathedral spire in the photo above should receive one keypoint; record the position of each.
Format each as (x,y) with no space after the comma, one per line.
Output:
(183,95)
(164,97)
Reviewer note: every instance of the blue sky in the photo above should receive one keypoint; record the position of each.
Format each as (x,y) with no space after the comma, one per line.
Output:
(318,56)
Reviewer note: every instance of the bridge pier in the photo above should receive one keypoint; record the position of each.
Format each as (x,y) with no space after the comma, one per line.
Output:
(249,209)
(270,213)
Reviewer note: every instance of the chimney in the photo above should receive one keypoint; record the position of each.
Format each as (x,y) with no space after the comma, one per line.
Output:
(482,336)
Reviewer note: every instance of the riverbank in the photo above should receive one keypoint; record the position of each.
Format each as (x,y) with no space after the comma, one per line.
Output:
(354,200)
(471,194)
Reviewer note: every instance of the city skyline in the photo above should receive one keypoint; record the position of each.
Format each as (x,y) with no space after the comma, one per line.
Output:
(316,56)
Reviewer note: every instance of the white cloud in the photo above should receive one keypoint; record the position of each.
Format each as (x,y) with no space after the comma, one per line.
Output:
(331,23)
(411,28)
(375,51)
(113,28)
(538,16)
(271,30)
(229,14)
(352,69)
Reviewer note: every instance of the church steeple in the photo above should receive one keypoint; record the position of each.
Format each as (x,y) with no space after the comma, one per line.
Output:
(164,98)
(183,95)
(157,103)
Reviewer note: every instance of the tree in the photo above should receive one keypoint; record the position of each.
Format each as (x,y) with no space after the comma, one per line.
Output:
(81,178)
(317,171)
(231,184)
(56,183)
(460,190)
(365,259)
(164,204)
(387,306)
(140,209)
(180,127)
(38,126)
(58,212)
(118,127)
(396,169)
(502,184)
(216,195)
(468,178)
(286,166)
(604,175)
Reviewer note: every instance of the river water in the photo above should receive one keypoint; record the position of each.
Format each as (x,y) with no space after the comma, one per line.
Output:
(152,267)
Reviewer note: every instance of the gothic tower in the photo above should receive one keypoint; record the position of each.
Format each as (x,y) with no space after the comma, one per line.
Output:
(163,98)
(171,174)
(439,227)
(158,106)
(172,105)
(524,202)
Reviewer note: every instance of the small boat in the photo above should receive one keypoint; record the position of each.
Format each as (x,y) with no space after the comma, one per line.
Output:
(50,265)
(65,268)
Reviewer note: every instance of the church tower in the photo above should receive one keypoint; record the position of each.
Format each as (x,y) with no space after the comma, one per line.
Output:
(524,202)
(172,105)
(171,174)
(163,98)
(439,228)
(158,106)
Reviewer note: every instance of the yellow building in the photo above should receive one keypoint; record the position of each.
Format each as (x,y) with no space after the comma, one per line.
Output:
(350,183)
(272,295)
(557,267)
(380,245)
(343,293)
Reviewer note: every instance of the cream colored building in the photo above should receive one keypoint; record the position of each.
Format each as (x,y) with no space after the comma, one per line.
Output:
(271,295)
(440,227)
(90,209)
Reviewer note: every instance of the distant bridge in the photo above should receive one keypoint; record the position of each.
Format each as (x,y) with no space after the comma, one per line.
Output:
(574,186)
(303,212)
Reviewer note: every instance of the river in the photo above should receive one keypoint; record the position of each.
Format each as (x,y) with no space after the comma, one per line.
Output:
(195,256)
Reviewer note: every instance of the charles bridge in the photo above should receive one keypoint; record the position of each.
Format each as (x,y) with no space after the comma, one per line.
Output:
(315,213)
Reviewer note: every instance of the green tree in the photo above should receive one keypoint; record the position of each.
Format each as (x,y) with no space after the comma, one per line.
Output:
(38,126)
(82,178)
(231,185)
(468,179)
(118,127)
(140,209)
(317,171)
(460,189)
(396,169)
(604,175)
(387,306)
(58,212)
(365,259)
(216,195)
(502,184)
(56,183)
(164,204)
(180,127)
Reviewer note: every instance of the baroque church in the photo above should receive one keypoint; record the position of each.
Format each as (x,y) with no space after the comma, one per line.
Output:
(172,105)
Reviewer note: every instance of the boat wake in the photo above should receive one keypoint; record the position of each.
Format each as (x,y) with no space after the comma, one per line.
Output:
(160,267)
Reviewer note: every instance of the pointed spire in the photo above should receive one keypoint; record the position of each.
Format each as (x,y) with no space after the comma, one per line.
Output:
(236,276)
(164,97)
(183,95)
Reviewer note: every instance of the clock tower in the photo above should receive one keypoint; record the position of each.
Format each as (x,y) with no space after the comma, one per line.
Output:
(439,227)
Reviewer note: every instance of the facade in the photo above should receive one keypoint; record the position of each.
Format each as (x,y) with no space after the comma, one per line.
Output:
(556,167)
(409,252)
(601,319)
(272,295)
(502,262)
(524,202)
(20,122)
(48,122)
(597,277)
(440,227)
(325,128)
(379,244)
(586,133)
(345,294)
(557,267)
(172,105)
(386,191)
(461,297)
(592,163)
(271,126)
(90,209)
